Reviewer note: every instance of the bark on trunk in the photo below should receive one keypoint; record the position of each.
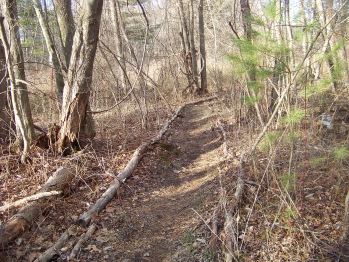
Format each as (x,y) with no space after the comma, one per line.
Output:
(194,63)
(119,45)
(19,92)
(66,26)
(203,76)
(77,89)
(58,66)
(246,23)
(18,62)
(5,110)
(184,34)
(324,17)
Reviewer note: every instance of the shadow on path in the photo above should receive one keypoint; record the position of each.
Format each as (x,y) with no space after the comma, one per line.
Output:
(178,176)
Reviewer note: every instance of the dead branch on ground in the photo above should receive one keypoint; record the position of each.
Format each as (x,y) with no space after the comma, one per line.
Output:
(110,193)
(231,236)
(23,220)
(29,199)
(84,237)
(51,253)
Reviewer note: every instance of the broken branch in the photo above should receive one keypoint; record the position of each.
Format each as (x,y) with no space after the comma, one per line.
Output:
(29,199)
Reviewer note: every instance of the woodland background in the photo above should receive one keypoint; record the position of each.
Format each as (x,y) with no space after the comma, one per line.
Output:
(73,72)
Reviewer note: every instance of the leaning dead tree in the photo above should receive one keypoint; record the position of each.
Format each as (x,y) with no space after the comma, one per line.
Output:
(25,217)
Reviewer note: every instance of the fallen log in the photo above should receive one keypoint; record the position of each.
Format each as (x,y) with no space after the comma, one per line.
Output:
(109,194)
(23,220)
(230,237)
(214,244)
(29,199)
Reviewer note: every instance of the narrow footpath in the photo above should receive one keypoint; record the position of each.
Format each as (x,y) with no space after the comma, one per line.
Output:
(168,199)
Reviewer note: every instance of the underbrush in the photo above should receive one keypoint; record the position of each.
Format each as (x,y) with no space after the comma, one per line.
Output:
(293,204)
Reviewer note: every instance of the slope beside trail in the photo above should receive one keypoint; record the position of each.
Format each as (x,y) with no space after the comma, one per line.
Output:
(162,213)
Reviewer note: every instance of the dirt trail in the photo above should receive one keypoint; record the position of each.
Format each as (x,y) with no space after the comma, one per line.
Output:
(156,219)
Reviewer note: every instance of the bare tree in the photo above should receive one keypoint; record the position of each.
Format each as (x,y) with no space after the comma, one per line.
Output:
(77,89)
(184,34)
(64,14)
(58,66)
(193,52)
(324,16)
(203,76)
(116,18)
(5,115)
(15,66)
(247,26)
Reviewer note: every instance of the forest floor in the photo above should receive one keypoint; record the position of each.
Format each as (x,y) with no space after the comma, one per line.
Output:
(165,210)
(170,197)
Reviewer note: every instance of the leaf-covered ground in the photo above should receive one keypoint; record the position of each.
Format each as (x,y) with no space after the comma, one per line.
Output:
(164,212)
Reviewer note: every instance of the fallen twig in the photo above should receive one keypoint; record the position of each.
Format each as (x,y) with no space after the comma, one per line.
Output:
(29,199)
(51,253)
(83,239)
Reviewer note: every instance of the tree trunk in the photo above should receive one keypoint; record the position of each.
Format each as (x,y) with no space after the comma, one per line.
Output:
(290,53)
(194,65)
(246,23)
(203,76)
(19,92)
(77,89)
(326,48)
(58,66)
(184,34)
(119,44)
(246,18)
(138,69)
(66,25)
(5,111)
